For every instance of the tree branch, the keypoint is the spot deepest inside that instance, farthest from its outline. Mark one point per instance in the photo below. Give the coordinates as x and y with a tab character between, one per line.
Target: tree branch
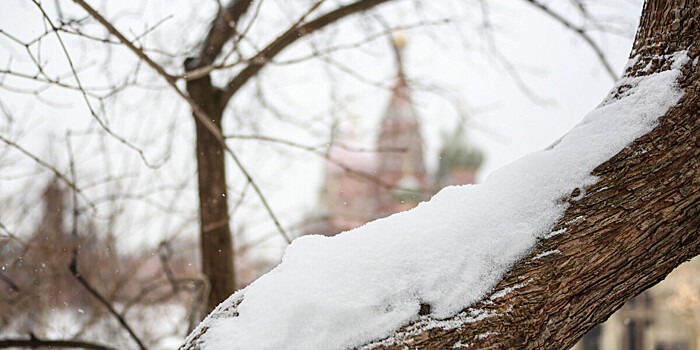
84	94
631	230
50	167
289	37
35	343
73	267
197	110
580	32
138	51
316	150
222	29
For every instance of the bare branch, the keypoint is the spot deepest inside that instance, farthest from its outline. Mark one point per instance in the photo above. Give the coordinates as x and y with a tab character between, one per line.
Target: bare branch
362	42
197	110
203	65
289	37
580	32
73	267
344	167
318	147
84	93
138	51
50	167
35	343
502	59
222	29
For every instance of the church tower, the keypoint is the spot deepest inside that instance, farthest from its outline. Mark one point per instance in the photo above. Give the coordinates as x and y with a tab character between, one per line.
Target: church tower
401	168
400	180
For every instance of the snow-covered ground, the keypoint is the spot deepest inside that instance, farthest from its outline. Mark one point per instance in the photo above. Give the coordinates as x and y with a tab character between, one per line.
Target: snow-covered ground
343	291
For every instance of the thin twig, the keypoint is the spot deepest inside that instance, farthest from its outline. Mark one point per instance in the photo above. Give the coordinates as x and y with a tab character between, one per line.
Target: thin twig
289	37
580	32
344	167
502	59
164	254
73	266
293	144
84	94
48	166
197	110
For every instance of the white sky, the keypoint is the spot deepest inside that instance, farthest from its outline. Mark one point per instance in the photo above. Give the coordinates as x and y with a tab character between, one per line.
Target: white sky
506	124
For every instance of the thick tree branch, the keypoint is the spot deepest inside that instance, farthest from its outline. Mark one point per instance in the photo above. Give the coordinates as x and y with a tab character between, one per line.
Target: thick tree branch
223	28
289	37
632	228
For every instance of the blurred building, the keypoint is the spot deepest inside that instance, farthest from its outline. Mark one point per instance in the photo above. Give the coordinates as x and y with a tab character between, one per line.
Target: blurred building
36	280
38	291
362	186
665	317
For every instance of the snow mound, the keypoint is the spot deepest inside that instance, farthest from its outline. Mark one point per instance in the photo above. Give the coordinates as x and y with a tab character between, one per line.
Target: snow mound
340	292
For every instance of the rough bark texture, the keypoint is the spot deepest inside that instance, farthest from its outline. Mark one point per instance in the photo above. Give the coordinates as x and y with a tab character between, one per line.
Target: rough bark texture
632	228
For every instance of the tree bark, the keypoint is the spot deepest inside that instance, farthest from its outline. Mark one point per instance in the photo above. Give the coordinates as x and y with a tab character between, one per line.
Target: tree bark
216	242
640	221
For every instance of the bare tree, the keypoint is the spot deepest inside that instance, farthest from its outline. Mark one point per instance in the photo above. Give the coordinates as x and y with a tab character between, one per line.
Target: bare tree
209	102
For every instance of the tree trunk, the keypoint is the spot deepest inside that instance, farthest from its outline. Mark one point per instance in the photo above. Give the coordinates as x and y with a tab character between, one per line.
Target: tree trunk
215	235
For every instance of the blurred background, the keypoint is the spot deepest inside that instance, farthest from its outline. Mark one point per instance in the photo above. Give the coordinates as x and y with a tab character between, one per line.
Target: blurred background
99	201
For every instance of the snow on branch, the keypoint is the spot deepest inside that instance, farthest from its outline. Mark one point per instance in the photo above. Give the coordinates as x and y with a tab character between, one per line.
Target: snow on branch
441	257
